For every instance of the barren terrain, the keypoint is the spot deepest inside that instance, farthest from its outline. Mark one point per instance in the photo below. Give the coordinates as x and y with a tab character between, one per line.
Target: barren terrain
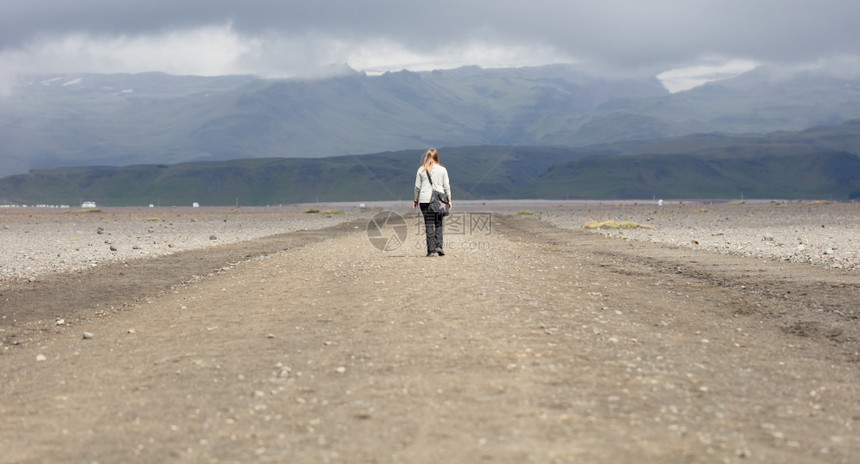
527	342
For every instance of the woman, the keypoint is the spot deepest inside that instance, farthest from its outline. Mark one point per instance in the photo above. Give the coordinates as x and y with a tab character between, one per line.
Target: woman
432	175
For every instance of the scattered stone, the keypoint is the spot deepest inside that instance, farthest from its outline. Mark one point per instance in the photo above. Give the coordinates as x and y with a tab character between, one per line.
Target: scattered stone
212	237
88	335
113	248
41	357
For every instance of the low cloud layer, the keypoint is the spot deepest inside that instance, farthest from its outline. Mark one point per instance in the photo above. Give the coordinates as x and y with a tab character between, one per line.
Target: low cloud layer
678	37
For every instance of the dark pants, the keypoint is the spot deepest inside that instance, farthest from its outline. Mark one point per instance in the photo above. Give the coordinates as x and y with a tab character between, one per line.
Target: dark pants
433	227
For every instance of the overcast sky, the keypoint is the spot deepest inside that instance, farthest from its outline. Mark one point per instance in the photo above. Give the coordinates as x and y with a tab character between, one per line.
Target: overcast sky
683	41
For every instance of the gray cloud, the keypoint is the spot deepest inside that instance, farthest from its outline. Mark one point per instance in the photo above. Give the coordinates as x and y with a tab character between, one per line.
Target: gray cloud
620	35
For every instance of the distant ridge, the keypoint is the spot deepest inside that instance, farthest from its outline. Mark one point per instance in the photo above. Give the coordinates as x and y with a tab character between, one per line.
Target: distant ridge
81	120
119	120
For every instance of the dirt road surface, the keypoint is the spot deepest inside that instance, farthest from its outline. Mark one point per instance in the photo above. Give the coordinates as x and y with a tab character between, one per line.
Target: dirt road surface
526	344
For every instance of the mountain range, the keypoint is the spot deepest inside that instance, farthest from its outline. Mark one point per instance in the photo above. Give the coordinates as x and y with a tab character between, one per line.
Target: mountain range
108	121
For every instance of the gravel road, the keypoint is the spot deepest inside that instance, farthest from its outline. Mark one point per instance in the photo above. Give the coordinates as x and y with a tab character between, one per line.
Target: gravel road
543	344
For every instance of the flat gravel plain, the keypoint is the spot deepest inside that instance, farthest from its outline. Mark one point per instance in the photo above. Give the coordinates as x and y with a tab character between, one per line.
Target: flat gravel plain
36	241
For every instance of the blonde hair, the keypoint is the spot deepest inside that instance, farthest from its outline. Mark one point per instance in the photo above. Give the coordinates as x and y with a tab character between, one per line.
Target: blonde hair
430	158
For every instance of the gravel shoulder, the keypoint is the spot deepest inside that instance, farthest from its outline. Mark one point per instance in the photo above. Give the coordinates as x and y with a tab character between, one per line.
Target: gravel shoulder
528	342
819	233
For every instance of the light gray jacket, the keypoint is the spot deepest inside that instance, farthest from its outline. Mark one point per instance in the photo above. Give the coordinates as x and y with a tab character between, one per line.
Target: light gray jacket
440	182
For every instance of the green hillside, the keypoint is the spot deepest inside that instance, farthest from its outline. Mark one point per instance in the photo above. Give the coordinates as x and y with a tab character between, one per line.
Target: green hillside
820	162
477	172
793	176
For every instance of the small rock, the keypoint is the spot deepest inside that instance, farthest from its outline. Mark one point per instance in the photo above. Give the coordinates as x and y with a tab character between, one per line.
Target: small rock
212	237
87	335
340	370
61	322
112	248
41	357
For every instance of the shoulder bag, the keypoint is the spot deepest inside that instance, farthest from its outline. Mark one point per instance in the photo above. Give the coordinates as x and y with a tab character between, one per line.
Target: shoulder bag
439	202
